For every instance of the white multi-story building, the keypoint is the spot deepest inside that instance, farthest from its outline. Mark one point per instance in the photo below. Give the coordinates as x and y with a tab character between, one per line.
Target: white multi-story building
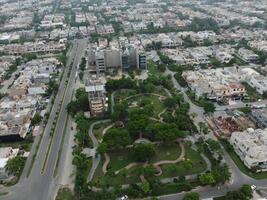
251	147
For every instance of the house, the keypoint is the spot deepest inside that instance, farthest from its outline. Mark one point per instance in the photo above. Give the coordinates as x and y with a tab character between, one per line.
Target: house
251	147
247	55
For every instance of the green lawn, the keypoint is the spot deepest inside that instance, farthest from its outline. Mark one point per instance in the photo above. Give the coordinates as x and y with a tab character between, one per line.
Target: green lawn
239	163
65	194
198	165
120	159
157	104
101	179
166	152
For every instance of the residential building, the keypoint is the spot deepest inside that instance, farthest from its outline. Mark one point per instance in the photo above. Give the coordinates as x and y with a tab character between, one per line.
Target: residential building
251	147
259	116
97	98
247	55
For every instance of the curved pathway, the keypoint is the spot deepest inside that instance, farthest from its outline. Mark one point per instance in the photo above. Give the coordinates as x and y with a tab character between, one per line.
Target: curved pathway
131	165
106	129
164	162
96	157
105	165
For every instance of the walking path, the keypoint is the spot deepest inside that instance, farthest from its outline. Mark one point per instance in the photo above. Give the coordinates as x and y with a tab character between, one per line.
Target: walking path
105	165
164	162
96	157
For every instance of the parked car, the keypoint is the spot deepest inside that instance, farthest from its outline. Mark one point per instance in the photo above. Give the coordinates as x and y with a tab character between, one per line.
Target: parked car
125	197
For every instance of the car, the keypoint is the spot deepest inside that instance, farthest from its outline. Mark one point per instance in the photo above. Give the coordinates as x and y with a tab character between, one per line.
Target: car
71	128
125	197
258	106
253	187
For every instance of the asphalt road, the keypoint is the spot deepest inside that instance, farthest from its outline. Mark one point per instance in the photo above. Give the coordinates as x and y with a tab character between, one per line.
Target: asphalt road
40	184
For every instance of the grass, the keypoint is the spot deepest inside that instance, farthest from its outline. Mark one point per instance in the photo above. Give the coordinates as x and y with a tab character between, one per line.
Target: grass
115	180
120	159
65	194
198	165
154	100
167	152
239	163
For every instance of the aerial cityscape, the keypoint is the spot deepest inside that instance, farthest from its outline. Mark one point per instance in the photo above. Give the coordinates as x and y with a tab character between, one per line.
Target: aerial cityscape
133	99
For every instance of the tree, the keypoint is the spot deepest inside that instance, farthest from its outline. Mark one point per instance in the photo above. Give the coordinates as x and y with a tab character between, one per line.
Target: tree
52	87
120	111
137	122
102	148
207	179
170	103
208	107
191	196
143	152
145	187
36	119
173	169
82	138
80	104
221	173
149	171
15	165
124	83
116	138
246	190
214	145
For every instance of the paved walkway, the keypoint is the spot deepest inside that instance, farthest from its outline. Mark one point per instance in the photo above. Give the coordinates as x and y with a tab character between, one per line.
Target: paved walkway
96	157
164	162
105	165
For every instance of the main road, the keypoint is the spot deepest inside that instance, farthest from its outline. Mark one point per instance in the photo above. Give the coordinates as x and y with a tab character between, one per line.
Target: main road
42	182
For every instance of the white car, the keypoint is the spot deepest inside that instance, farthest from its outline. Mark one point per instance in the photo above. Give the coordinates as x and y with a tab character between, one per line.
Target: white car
125	197
253	187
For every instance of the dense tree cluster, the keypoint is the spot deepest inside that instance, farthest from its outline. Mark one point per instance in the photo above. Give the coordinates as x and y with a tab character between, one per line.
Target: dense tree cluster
116	138
144	152
124	83
80	104
52	87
